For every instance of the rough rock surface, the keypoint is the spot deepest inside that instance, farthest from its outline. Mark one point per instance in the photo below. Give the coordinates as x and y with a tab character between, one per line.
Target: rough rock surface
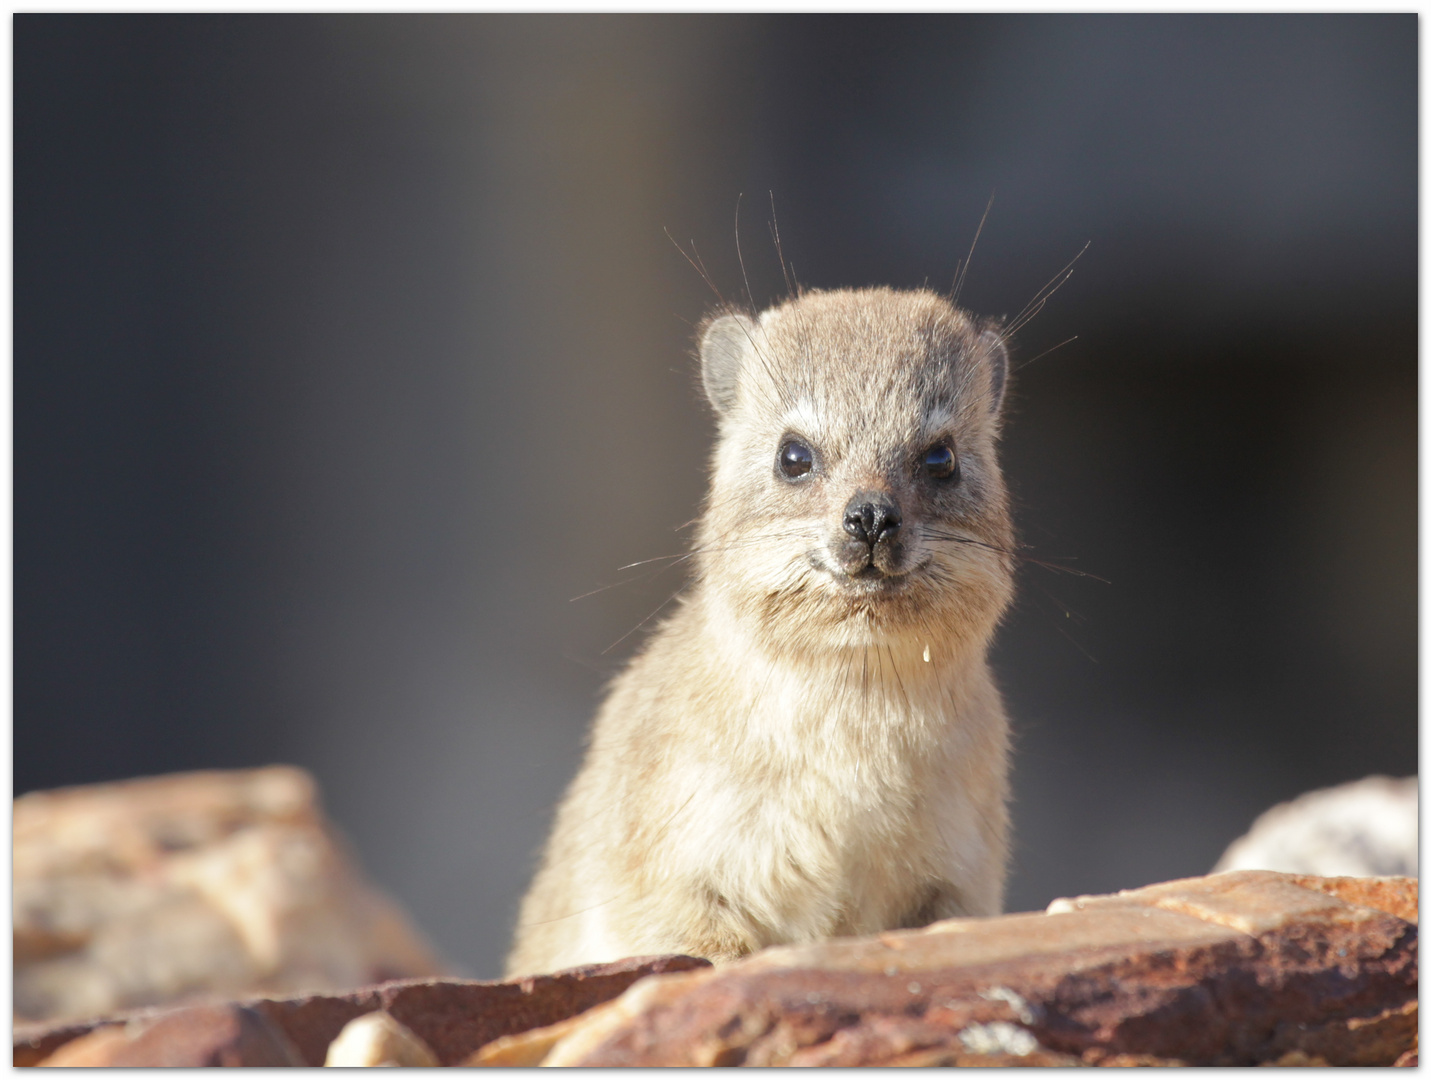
190	887
1367	827
199	887
454	1017
1238	968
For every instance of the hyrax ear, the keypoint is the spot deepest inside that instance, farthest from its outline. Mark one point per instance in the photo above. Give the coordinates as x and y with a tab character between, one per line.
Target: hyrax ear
995	355
724	340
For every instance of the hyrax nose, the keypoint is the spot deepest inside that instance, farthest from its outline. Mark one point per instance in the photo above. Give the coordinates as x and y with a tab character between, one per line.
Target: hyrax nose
871	517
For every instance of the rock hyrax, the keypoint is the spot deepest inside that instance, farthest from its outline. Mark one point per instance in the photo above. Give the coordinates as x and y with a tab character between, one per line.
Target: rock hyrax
812	744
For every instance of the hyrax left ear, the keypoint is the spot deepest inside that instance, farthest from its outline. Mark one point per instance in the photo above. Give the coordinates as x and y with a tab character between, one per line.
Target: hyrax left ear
995	355
724	340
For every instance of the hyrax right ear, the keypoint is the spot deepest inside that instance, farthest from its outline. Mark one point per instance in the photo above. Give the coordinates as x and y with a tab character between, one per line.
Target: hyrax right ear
724	340
996	356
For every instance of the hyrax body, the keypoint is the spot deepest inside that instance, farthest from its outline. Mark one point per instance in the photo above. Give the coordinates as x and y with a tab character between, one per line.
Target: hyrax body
812	744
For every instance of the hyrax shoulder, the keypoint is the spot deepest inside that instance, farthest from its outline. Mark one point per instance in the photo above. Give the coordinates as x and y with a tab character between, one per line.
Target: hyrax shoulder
812	744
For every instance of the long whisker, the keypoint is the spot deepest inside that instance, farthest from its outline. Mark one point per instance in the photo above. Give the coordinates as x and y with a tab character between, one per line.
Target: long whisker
779	251
1068	612
569	914
730	546
677	559
698	264
962	270
1058	624
617	584
698	267
644	621
1019	555
1055	348
1034	306
702	264
740	258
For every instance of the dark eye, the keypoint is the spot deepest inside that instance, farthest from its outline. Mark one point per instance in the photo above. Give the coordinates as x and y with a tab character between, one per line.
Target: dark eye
796	459
940	462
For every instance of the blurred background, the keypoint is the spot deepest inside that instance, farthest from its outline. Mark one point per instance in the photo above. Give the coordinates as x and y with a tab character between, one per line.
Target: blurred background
348	350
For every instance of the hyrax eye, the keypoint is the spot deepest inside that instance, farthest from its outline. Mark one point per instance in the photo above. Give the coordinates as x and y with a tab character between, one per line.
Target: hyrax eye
940	462
795	460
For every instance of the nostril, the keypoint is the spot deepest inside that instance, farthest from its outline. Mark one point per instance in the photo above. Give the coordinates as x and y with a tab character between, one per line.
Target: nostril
859	521
886	523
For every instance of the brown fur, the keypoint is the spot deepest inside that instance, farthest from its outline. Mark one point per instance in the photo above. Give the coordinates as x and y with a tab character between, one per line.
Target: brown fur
781	762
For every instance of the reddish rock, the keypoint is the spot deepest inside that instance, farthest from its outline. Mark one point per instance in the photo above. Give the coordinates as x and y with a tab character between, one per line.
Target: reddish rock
456	1017
33	1043
452	1016
1238	968
95	1050
195	1037
1398	895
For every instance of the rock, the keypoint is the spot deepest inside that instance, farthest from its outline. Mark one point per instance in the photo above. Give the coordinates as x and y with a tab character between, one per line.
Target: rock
1362	829
95	1050
185	1038
1237	968
456	1017
33	1043
1398	895
192	886
453	1017
376	1039
587	1032
531	1047
1246	967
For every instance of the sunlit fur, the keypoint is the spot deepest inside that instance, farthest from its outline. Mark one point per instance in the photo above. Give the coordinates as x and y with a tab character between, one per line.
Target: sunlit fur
781	763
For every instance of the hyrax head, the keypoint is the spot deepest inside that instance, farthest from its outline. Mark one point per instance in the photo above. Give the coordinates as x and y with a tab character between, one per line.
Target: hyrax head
856	497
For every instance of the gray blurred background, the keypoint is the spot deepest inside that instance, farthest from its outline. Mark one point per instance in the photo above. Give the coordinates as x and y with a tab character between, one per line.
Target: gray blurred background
348	350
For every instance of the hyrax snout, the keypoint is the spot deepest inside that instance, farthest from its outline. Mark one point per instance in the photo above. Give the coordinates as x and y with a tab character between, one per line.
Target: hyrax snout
872	545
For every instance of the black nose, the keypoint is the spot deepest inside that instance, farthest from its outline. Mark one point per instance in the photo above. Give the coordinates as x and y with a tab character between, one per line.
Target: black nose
871	517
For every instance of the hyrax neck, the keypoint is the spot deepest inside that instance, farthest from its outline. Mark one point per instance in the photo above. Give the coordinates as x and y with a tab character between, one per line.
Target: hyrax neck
893	690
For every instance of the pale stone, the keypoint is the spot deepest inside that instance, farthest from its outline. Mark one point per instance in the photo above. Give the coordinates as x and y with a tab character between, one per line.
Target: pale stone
961	942
377	1039
193	886
1362	829
998	1037
1248	901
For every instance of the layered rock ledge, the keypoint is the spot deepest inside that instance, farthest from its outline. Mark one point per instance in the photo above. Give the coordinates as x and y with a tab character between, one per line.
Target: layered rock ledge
1248	967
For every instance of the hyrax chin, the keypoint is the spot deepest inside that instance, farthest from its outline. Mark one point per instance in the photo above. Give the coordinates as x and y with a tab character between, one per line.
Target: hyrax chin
812	744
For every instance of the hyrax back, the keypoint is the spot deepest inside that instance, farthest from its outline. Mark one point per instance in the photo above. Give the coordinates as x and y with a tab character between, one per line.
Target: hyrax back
812	744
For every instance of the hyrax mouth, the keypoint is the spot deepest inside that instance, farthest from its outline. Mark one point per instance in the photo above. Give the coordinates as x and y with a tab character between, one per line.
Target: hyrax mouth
866	577
871	583
863	576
